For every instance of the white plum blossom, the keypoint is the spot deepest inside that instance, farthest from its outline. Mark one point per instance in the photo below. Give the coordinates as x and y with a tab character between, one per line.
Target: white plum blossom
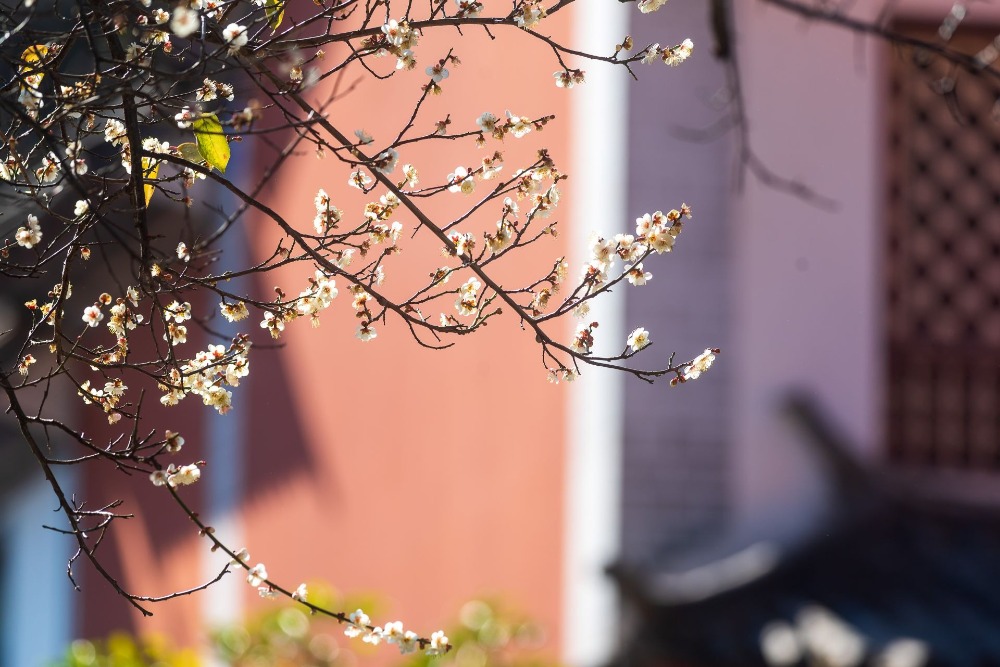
234	312
583	341
30	235
464	244
180	312
627	248
678	54
242	557
114	131
438	645
529	14
467	303
568	78
366	332
81	208
393	32
173	442
359	179
176	334
183	252
77	164
487	122
301	593
92	315
399	34
638	339
235	36
638	276
345	258
393	632
184	117
274	324
358	625
437	72
647	6
469	8
491	166
184	475
406	60
385	162
699	365
410	173
602	251
461	181
408	642
327	215
660	240
519	126
211	90
49	171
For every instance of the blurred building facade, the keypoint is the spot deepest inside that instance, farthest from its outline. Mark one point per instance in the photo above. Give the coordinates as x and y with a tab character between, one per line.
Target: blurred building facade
436	477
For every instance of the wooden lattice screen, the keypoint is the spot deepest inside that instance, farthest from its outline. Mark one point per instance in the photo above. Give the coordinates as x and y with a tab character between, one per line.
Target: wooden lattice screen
943	266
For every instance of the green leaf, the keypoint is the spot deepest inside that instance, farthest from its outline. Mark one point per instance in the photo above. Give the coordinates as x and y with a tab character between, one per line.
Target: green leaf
275	12
211	139
190	152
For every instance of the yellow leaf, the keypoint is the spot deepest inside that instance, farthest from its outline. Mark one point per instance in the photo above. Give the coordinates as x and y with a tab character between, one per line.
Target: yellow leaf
34	53
31	75
150	168
211	140
275	12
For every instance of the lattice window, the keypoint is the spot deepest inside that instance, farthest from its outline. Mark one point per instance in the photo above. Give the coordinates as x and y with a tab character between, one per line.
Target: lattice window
943	265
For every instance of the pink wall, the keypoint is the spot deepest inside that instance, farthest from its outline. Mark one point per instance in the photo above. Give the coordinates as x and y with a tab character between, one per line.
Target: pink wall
428	477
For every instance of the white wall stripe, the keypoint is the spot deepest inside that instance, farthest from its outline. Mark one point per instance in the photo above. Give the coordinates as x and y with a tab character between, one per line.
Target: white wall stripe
226	444
594	450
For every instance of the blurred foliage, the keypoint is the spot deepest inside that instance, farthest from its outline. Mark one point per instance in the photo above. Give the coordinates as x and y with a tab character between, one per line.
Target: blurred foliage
486	635
121	650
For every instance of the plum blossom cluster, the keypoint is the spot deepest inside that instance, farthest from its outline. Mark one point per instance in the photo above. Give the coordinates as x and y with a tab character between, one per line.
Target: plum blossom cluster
567	78
208	375
359	626
698	365
649	6
529	13
671	55
311	302
397	38
320	294
514	125
129	162
108	396
174	476
654	233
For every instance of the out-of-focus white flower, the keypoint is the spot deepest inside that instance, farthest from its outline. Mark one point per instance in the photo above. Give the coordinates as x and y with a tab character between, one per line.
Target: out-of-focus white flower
185	21
236	36
257	575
